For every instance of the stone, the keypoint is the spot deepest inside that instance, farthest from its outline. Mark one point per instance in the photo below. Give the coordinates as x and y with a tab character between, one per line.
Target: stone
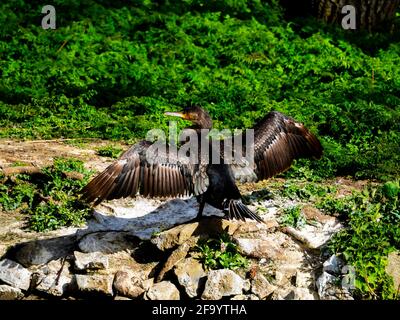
39	252
312	213
142	217
258	248
107	242
176	256
393	268
14	274
207	227
10	293
54	278
95	284
304	280
121	298
191	276
90	261
128	284
261	287
333	265
245	297
222	283
174	237
164	290
304	294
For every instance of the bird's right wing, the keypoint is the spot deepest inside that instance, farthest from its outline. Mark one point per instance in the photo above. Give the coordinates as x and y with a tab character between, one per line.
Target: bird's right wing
278	141
148	171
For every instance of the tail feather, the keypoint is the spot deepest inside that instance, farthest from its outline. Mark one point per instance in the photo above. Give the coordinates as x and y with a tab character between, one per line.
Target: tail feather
235	209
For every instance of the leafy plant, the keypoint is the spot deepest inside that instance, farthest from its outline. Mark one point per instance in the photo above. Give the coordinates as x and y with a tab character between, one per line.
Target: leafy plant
50	199
220	253
373	231
109	151
293	217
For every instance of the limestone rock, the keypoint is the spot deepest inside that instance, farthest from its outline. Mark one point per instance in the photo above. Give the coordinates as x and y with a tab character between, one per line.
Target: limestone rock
258	248
222	283
191	276
129	284
90	261
176	256
14	274
107	242
333	265
304	294
54	278
10	293
95	284
164	290
42	251
174	237
261	287
245	297
393	268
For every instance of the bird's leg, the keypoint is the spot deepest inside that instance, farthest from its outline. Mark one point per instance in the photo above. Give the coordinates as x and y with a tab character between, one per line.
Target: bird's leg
201	208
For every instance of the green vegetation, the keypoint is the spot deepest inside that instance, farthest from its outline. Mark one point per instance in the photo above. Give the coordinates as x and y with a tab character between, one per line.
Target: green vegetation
111	70
293	217
49	199
109	151
373	218
220	253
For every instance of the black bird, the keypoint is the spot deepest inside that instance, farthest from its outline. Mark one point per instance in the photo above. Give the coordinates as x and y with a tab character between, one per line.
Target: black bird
154	172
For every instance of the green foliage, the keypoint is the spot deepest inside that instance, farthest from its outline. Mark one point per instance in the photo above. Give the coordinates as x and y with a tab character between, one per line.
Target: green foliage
109	151
305	191
373	231
111	70
293	217
220	253
49	199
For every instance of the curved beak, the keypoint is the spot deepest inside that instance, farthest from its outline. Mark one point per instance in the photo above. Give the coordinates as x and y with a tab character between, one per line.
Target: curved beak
176	114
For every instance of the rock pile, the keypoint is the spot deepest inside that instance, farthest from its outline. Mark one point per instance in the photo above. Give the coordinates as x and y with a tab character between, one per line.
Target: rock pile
129	262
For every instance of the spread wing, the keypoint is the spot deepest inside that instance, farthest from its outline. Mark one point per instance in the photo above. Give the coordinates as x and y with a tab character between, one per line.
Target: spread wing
147	170
278	141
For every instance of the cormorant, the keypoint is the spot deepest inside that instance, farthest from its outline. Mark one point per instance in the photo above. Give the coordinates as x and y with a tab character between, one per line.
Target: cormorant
157	172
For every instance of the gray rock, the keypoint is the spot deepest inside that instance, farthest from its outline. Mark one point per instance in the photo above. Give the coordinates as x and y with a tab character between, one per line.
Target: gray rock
258	248
95	284
107	242
90	261
54	278
164	290
393	268
42	251
191	276
261	287
333	265
178	235
222	283
14	274
128	284
10	293
177	255
245	297
304	294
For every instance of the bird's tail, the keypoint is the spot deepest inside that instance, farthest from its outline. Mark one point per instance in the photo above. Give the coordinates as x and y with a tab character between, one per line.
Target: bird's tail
235	209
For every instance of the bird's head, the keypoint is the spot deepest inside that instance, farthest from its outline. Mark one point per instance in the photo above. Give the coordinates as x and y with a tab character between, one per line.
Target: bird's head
197	115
